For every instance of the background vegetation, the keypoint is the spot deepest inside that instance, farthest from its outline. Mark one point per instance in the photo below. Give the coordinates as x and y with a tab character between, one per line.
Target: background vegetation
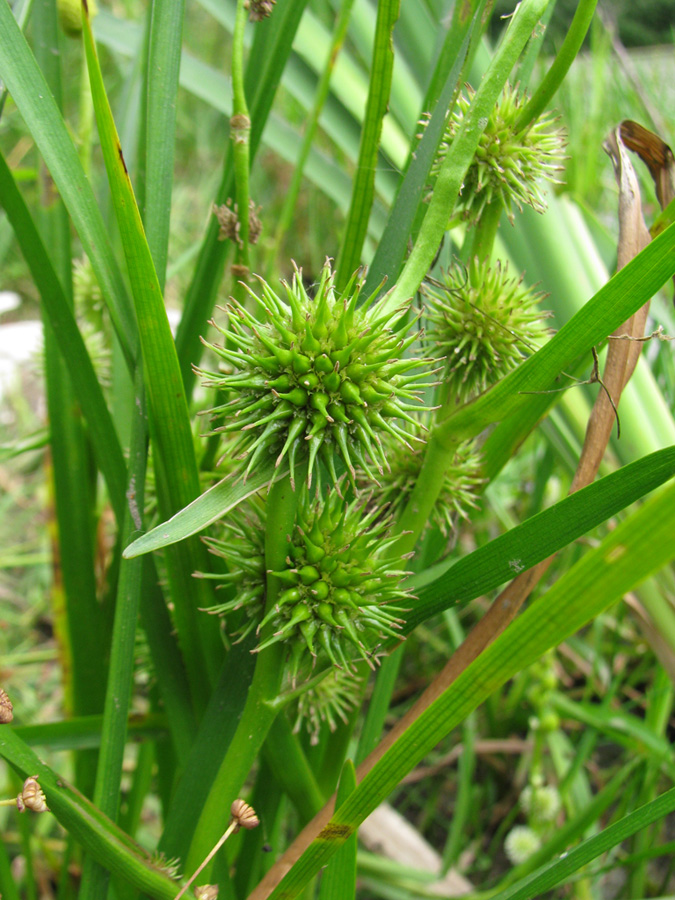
521	774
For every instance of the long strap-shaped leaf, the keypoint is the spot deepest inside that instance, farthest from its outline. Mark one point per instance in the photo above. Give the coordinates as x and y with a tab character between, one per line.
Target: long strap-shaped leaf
173	451
211	506
164	55
32	96
635	549
533	540
85	384
363	189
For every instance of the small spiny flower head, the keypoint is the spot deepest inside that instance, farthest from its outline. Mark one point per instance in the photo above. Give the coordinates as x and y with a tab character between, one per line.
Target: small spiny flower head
483	323
230	227
541	803
316	378
509	165
340	589
206	892
521	843
458	494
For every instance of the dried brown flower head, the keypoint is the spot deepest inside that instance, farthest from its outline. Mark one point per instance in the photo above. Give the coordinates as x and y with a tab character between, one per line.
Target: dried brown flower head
32	796
260	9
6	708
244	815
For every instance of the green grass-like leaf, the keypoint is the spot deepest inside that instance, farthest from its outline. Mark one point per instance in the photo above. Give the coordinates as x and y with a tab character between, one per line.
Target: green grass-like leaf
538	537
211	506
173	450
363	189
34	99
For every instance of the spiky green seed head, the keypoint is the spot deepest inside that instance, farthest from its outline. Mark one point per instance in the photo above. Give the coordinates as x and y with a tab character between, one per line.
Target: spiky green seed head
327	702
521	843
509	166
458	494
340	593
343	594
317	378
484	324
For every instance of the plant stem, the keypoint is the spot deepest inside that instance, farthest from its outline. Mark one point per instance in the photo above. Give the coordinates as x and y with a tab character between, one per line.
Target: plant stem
240	130
259	712
485	232
566	56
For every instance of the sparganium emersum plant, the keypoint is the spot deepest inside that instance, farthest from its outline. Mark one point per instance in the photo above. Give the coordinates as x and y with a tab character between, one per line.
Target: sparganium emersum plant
333	425
317	378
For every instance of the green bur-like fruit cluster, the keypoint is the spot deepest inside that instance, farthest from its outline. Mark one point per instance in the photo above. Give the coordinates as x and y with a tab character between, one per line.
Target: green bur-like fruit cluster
484	322
316	378
339	591
342	589
510	162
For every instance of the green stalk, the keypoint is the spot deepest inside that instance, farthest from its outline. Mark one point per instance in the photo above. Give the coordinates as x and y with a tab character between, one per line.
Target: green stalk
363	190
240	131
458	158
288	764
485	232
287	210
121	671
564	59
259	712
659	707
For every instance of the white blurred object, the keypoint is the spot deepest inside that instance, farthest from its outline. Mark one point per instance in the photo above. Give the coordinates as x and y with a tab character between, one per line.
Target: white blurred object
19	342
388	833
9	300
